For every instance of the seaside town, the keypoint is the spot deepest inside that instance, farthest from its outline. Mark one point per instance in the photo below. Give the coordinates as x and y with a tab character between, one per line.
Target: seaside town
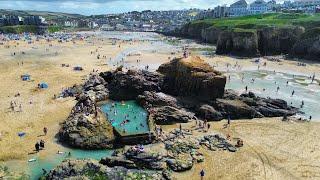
161	21
221	92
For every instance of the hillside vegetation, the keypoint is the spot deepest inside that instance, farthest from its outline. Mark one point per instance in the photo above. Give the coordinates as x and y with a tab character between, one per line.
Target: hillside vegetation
263	20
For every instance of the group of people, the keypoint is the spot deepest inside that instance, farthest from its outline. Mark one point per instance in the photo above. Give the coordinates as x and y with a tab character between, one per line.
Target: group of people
14	105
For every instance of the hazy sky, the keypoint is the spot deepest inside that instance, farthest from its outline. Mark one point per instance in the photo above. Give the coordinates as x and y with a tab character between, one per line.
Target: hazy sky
89	7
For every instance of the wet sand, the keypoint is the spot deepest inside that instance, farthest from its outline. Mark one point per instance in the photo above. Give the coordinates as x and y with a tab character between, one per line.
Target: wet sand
273	149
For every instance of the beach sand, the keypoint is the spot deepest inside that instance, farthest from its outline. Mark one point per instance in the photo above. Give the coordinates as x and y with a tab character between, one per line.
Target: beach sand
273	149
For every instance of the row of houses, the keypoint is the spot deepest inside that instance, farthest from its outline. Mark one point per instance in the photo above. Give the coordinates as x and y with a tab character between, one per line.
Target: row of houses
242	8
17	20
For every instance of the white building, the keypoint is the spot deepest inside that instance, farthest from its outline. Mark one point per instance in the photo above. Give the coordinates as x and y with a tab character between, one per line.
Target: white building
258	7
239	8
306	3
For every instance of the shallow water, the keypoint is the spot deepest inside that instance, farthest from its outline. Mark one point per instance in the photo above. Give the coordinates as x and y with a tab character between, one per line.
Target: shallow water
136	116
270	81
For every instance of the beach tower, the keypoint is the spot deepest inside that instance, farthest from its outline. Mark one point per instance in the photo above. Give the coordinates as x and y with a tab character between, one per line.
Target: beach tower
77	68
25	77
43	85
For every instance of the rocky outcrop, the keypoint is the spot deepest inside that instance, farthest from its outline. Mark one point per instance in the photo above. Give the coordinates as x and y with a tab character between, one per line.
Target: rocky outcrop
127	86
209	113
248	106
170	115
90	169
211	34
192	77
239	43
253	42
86	127
278	40
308	47
155	99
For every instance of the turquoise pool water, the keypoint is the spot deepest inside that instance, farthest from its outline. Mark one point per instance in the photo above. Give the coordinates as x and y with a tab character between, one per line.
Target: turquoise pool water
128	118
266	84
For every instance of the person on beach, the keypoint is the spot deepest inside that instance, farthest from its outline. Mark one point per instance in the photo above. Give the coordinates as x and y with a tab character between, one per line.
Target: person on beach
45	130
302	104
229	120
246	88
292	93
202	173
37	146
278	88
310	117
41	144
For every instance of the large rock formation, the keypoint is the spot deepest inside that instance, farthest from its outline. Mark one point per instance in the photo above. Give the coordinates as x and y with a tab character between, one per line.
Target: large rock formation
278	40
308	47
127	86
192	77
87	127
239	43
254	42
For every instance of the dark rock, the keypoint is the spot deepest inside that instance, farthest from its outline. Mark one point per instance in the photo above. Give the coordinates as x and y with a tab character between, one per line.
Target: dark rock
171	115
156	99
90	169
127	86
236	109
181	163
209	113
118	161
192	77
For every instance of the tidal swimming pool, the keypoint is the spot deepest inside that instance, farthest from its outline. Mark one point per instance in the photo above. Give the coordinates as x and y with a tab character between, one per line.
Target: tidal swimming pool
128	117
266	83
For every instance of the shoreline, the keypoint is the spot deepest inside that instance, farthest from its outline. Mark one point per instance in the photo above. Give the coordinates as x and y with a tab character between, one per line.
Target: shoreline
49	108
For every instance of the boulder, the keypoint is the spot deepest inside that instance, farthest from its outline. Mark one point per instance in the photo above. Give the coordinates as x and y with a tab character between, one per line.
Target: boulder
87	132
170	115
127	86
236	109
181	163
209	113
118	161
192	77
156	99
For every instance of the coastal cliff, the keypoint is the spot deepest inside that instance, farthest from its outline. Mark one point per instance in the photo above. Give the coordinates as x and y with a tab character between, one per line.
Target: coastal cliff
253	36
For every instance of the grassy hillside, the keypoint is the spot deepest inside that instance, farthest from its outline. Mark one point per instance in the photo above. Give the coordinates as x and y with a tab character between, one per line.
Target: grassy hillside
264	20
45	14
19	29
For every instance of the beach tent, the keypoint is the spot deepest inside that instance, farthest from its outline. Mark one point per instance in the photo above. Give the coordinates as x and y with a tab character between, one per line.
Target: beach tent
77	68
25	77
43	85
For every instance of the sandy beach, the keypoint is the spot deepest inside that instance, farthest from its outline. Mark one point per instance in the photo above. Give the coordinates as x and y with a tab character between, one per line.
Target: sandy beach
273	149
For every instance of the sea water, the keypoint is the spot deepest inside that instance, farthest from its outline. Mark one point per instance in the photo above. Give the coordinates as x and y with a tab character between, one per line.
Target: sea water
266	83
52	160
127	117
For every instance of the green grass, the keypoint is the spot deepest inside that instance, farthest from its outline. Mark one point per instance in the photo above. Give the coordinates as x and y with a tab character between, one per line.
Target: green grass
263	20
19	29
53	29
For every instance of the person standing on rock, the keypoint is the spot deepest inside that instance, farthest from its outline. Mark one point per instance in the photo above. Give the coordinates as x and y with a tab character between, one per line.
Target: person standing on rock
246	88
202	173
